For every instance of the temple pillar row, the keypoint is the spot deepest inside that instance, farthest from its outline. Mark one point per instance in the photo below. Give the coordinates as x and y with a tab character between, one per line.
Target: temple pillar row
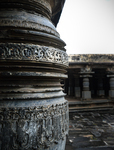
81	86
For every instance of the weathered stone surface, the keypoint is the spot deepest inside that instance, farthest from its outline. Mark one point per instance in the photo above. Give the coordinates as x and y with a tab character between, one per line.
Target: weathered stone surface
33	111
91	131
95	58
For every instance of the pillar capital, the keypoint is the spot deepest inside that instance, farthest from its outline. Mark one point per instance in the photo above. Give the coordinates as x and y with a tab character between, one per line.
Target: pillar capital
86	70
110	70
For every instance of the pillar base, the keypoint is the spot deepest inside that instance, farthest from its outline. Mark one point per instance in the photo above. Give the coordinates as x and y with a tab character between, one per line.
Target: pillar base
86	94
111	93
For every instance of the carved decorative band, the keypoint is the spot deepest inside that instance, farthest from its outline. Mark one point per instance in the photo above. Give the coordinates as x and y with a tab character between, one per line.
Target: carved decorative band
33	53
95	58
33	128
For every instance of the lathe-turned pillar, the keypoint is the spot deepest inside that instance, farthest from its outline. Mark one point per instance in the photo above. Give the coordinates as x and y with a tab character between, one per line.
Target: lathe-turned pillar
33	111
110	72
111	91
86	74
111	83
86	93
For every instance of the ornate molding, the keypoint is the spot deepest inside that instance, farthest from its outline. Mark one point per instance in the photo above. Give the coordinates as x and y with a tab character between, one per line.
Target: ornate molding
110	70
33	127
86	69
95	58
28	24
37	3
33	53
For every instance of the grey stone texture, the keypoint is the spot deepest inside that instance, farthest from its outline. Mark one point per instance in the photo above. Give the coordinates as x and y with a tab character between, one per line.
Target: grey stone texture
91	131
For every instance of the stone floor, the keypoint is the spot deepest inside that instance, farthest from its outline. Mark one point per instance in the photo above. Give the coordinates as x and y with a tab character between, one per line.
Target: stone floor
91	131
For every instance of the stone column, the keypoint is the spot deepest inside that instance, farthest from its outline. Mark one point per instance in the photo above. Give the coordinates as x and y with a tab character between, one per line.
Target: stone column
33	111
111	82
100	91
77	88
111	91
86	93
110	72
86	74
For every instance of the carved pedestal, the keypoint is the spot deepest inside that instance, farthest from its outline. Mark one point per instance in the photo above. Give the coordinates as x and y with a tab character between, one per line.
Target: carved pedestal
33	111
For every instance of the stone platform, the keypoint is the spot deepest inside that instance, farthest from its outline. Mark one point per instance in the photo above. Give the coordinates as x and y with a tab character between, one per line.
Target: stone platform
79	105
91	131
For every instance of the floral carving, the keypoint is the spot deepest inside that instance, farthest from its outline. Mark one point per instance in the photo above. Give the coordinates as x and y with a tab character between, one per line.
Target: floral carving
33	52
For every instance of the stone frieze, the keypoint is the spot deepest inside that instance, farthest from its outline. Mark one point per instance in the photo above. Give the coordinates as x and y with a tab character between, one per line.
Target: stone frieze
33	53
102	58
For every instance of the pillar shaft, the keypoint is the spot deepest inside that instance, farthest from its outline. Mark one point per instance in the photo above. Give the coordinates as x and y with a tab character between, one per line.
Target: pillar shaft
111	91
86	94
33	111
85	84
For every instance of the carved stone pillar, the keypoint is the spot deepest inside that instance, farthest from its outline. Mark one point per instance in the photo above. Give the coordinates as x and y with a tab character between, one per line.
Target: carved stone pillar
111	91
111	82
33	111
100	87
85	74
86	93
110	72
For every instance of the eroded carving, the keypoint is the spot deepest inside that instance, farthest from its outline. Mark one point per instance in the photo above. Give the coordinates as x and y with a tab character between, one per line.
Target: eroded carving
91	58
86	69
33	128
110	70
33	52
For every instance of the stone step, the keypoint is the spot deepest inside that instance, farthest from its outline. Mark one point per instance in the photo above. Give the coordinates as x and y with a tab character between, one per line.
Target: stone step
93	148
98	101
89	105
81	109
